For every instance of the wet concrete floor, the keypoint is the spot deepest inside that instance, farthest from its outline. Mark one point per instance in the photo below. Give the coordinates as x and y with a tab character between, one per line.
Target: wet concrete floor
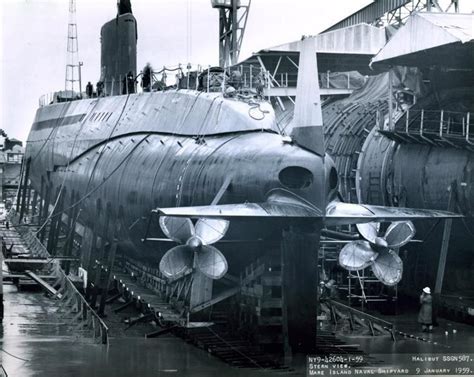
417	350
38	341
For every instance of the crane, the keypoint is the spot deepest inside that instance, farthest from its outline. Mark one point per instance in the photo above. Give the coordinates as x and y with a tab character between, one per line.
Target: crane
233	16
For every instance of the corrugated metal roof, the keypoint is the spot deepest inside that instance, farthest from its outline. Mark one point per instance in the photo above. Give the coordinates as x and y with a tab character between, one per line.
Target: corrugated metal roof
359	39
369	13
431	38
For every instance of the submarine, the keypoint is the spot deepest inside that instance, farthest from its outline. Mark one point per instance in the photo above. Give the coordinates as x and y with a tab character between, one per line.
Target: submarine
193	183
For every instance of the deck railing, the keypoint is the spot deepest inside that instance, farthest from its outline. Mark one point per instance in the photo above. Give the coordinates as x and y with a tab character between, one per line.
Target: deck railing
439	123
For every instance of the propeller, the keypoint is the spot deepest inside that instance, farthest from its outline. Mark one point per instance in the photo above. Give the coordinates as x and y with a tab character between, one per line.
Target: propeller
377	251
195	246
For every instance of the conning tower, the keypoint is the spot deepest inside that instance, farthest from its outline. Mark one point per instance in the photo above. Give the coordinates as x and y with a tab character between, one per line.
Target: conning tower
118	49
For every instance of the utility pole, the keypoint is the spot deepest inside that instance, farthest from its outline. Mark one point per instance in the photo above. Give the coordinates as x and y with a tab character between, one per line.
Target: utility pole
73	75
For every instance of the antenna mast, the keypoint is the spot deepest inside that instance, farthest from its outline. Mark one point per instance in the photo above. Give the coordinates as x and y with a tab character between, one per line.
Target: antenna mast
73	66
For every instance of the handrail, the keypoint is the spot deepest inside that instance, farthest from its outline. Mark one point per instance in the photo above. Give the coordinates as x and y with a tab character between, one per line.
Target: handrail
440	123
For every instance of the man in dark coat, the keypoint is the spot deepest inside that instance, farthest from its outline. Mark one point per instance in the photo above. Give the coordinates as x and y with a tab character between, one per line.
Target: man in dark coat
425	317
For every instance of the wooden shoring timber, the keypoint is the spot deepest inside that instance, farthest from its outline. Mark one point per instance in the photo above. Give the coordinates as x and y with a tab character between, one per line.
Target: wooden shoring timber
299	284
105	288
44	216
216	299
55	221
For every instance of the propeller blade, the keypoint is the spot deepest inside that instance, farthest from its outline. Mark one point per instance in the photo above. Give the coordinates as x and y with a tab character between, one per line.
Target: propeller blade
399	233
179	229
211	262
356	256
211	230
369	231
388	267
176	261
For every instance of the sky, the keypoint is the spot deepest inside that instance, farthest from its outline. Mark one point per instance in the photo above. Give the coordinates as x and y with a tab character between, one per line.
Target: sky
33	36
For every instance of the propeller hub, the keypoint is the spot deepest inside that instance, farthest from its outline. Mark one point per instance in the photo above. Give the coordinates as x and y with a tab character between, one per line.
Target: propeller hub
195	243
380	242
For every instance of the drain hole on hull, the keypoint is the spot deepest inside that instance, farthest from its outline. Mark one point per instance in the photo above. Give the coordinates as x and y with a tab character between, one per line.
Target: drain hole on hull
296	177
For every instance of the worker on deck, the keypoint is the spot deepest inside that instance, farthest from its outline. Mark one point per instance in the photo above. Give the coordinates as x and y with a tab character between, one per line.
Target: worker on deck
130	83
100	88
89	89
425	317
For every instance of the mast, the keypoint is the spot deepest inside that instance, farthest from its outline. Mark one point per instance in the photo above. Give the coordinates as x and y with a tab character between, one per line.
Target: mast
73	66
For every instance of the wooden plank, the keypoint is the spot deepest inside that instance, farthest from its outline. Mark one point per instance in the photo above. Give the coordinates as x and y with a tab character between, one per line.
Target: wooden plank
222	296
270	320
271	303
445	241
44	284
271	280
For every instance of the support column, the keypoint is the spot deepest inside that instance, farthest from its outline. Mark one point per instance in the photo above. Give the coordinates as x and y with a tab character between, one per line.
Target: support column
299	286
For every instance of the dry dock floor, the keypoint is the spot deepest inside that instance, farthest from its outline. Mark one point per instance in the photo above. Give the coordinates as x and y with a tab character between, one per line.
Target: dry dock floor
37	341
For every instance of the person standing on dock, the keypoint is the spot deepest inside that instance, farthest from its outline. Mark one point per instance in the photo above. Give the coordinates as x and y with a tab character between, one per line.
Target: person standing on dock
425	317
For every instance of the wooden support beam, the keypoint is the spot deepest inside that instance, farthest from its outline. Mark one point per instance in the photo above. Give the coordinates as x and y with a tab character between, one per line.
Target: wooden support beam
59	222
140	318
220	297
44	284
73	214
156	334
113	298
44	216
54	223
124	306
28	198
105	287
300	284
97	272
445	241
42	195
34	203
